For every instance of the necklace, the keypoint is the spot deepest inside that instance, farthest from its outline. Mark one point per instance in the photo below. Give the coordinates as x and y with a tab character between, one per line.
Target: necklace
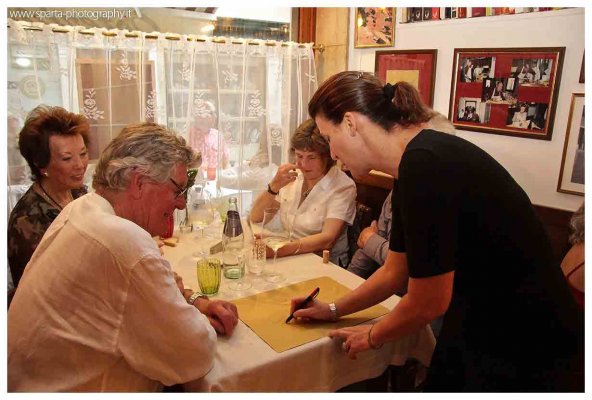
49	197
307	192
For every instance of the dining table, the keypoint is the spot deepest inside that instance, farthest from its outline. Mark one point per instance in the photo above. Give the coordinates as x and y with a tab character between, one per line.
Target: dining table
246	363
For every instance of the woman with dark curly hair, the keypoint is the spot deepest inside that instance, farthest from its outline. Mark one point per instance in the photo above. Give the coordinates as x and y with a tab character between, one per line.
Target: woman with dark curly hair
573	262
54	142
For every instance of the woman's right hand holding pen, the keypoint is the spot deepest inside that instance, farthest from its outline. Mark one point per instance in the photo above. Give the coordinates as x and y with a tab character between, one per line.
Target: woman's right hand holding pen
313	310
285	174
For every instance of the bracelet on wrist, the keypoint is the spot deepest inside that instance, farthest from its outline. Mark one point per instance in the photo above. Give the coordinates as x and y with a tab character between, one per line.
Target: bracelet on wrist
270	191
195	296
298	249
372	345
333	309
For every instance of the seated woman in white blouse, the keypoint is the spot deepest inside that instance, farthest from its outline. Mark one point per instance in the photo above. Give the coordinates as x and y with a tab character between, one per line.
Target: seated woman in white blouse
316	199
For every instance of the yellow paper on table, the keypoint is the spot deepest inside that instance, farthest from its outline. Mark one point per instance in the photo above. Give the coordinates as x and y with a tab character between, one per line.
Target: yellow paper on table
265	313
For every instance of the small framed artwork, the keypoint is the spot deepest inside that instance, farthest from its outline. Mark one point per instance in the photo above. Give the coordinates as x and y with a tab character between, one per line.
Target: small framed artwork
507	91
571	174
418	67
375	27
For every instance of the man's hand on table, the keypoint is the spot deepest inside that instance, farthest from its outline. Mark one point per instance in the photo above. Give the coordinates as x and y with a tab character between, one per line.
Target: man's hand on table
222	315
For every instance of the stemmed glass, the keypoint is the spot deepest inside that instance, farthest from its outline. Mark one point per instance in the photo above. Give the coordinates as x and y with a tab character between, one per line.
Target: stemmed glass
275	236
201	213
220	203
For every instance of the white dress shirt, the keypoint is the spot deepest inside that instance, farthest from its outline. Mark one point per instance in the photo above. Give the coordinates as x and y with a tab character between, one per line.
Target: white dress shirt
98	309
333	196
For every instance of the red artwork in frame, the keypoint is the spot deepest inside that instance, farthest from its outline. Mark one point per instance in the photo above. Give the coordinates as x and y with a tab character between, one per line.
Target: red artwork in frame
417	67
508	91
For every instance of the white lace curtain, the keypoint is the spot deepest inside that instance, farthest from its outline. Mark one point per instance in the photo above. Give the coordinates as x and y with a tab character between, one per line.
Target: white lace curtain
235	101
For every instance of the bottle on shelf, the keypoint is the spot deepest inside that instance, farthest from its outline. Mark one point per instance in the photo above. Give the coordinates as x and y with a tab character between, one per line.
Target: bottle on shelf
233	241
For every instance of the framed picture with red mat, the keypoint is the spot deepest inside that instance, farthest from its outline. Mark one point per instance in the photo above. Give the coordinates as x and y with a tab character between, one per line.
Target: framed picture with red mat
506	91
417	67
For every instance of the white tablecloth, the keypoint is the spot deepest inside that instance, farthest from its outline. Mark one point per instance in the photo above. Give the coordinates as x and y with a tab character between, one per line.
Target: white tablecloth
245	363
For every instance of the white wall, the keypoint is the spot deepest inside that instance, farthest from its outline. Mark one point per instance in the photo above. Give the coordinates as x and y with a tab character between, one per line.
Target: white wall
533	163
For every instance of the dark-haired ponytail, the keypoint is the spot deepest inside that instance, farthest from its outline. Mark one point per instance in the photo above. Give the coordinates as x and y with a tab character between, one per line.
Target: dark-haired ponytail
408	103
386	105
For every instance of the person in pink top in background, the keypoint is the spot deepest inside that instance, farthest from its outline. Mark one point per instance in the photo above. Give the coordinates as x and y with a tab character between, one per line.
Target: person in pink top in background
204	138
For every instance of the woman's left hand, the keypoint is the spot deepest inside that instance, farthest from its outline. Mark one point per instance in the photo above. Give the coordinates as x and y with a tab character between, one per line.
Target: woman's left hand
355	339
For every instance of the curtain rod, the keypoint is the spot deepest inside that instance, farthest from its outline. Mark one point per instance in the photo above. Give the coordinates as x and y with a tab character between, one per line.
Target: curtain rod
189	38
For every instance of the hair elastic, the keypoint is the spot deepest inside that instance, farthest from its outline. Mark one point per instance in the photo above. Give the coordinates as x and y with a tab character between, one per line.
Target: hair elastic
389	91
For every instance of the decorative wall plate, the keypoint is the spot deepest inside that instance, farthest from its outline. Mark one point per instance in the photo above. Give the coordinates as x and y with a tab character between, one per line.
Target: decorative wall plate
32	87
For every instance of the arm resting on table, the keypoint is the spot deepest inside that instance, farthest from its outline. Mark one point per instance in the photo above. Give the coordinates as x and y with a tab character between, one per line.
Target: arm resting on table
160	336
332	229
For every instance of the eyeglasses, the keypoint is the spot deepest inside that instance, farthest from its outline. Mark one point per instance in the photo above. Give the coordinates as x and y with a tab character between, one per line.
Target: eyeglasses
180	189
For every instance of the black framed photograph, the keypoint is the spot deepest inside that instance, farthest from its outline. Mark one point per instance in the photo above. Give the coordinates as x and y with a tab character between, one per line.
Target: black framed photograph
506	91
499	90
571	174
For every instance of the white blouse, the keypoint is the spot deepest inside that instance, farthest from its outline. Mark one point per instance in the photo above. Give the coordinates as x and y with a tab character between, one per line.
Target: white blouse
333	196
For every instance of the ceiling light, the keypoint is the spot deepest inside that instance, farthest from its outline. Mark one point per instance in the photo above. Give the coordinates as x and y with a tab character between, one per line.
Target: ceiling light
23	62
208	28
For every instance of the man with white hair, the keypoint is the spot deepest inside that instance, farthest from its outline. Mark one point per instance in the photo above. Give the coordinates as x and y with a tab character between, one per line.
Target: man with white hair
98	308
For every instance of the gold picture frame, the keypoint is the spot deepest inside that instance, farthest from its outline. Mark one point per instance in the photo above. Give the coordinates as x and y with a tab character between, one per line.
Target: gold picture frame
375	27
571	174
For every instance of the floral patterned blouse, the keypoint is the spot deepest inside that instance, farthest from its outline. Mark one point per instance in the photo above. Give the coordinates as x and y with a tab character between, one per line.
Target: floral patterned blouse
28	221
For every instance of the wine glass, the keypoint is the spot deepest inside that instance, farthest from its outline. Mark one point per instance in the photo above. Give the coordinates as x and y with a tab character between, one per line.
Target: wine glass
219	203
240	283
201	213
275	236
